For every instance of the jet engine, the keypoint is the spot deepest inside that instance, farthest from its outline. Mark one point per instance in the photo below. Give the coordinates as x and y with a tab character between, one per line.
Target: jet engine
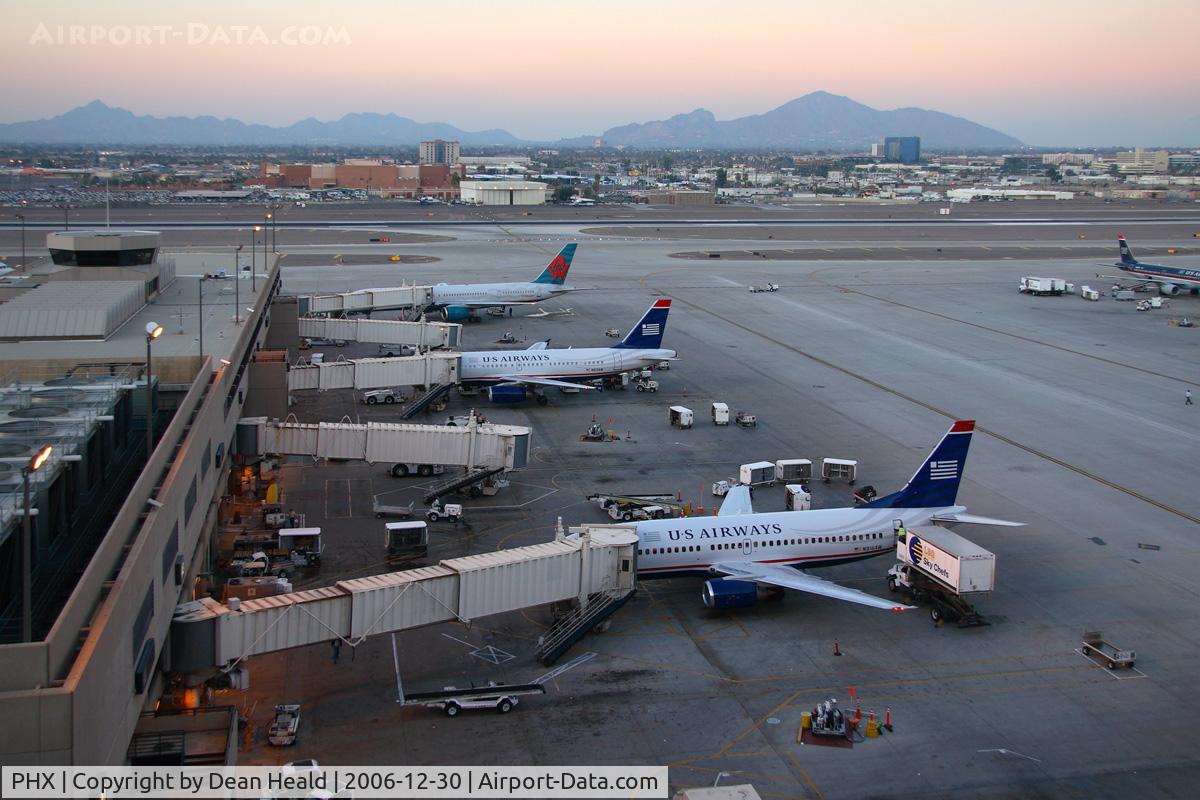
506	394
455	313
729	594
1169	289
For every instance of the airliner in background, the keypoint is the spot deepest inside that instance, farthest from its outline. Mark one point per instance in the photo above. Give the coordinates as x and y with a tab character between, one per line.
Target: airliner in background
1171	280
459	302
738	550
512	374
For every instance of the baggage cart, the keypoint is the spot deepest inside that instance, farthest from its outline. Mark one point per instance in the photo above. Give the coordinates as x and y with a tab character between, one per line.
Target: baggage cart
1095	646
839	469
793	470
382	510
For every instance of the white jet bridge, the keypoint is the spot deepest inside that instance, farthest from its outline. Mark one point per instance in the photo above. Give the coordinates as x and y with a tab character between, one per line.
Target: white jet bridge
425	369
367	300
596	569
421	335
472	446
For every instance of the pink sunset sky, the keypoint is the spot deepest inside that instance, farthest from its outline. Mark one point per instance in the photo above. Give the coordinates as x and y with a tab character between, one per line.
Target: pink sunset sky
1049	73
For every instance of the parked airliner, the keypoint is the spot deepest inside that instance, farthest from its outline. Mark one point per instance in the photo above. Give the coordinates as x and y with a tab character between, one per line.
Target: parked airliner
745	549
510	373
460	301
1171	280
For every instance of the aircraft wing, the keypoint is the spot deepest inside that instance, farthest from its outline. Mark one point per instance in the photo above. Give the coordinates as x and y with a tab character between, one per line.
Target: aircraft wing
972	519
520	379
789	578
737	501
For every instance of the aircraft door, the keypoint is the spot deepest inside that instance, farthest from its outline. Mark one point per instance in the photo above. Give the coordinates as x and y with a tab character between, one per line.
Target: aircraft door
747	547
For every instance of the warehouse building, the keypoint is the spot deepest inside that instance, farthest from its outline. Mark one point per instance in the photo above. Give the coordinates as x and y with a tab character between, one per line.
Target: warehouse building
503	193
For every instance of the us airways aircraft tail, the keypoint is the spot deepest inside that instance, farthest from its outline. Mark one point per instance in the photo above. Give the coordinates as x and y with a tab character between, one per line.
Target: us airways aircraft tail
935	483
556	271
648	333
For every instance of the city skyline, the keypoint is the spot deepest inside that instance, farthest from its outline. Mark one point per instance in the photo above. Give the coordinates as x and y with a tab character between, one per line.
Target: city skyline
1048	76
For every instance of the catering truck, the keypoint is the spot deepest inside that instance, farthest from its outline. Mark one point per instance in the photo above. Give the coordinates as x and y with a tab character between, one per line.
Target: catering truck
939	567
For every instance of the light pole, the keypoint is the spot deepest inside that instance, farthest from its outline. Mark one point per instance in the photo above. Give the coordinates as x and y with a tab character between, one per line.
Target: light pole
200	285
153	331
237	276
271	216
22	218
34	464
253	242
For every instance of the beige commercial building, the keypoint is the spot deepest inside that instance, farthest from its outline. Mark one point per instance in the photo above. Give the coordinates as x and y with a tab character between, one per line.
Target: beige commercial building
503	193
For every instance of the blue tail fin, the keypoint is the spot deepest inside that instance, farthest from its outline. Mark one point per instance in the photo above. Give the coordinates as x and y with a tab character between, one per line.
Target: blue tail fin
1126	255
556	271
648	333
935	484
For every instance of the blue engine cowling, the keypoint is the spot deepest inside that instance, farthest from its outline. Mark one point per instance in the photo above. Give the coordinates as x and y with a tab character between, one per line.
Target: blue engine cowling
455	313
730	594
506	394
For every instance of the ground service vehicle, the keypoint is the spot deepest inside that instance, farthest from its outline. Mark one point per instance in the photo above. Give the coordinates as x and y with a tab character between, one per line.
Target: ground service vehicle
497	697
757	474
720	414
645	385
681	417
1042	286
452	512
939	567
389	396
285	725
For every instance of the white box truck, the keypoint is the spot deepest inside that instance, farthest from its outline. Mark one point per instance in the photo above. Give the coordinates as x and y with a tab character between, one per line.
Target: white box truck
938	566
720	414
1042	286
756	474
793	470
681	417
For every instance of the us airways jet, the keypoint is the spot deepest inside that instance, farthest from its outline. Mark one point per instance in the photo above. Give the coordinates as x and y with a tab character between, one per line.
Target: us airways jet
738	550
1171	280
511	374
458	302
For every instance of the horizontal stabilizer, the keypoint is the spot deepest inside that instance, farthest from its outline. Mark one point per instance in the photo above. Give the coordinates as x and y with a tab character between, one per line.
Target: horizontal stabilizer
972	519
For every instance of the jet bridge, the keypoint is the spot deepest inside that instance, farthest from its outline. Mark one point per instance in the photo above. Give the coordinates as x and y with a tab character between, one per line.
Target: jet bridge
421	335
496	446
426	369
602	561
367	300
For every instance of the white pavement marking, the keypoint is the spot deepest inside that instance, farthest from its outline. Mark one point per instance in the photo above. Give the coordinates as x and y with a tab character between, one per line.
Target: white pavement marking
1006	752
726	280
559	670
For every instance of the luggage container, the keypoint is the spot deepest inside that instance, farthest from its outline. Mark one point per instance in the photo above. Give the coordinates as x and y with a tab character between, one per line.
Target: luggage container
793	470
406	538
757	474
798	498
720	414
839	469
302	543
681	417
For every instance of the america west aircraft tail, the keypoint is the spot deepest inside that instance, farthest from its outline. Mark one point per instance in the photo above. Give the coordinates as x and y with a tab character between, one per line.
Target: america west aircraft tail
556	271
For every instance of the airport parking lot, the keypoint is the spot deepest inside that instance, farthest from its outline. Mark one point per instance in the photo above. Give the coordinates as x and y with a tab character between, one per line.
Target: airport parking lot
1083	435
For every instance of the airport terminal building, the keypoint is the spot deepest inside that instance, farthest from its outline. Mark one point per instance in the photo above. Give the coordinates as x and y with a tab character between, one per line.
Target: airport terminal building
135	377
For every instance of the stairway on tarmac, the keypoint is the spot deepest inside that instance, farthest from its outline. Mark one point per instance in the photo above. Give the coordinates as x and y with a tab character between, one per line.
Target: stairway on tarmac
425	400
569	629
461	481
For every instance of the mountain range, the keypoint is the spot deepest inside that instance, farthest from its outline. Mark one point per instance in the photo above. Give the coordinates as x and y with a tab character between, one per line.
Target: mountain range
816	121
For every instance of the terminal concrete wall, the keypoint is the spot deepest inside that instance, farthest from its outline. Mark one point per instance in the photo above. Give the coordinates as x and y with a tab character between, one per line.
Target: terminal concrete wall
71	698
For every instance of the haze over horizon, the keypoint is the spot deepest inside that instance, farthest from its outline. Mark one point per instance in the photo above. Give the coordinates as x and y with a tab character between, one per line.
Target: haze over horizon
1061	74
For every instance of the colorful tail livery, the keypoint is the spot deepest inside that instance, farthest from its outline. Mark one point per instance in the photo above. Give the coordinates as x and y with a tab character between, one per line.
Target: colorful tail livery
1126	254
556	271
648	333
935	483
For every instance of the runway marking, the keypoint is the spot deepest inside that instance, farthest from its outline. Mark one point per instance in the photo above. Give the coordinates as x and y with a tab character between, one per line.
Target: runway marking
1004	751
949	414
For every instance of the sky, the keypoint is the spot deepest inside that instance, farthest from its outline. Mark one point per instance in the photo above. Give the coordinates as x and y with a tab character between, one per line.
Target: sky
1050	73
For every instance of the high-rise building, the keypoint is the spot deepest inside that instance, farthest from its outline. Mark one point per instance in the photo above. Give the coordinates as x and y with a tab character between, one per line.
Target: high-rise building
902	149
439	152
